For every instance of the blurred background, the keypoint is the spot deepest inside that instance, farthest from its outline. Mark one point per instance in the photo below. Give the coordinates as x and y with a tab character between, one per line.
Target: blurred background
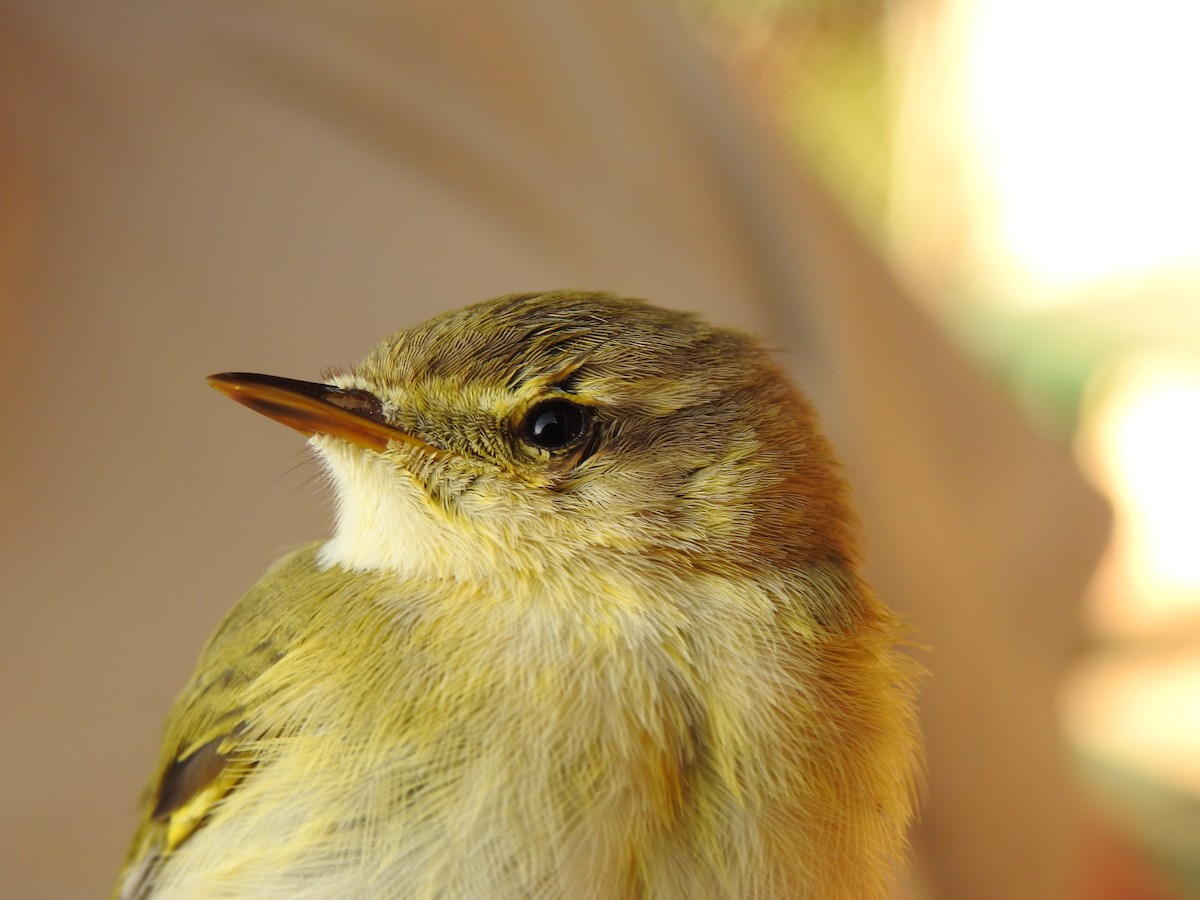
190	186
1032	168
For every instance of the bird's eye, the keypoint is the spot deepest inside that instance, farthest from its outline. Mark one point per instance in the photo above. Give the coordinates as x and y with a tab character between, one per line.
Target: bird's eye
555	424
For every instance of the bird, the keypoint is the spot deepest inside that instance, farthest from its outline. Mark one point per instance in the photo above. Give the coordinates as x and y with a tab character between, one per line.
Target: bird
591	623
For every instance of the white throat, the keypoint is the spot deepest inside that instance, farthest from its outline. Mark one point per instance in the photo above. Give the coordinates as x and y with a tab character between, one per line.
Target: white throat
387	523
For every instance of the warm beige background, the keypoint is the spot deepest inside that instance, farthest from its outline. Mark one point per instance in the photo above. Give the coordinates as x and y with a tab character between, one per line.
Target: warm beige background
189	187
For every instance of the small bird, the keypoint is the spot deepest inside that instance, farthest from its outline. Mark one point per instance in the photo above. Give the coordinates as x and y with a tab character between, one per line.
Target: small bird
590	625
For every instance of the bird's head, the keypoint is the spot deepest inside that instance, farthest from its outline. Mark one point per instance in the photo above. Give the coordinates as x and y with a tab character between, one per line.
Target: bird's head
532	430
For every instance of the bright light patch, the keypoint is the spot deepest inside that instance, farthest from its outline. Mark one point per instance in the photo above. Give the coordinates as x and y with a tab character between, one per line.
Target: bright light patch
1082	120
1144	441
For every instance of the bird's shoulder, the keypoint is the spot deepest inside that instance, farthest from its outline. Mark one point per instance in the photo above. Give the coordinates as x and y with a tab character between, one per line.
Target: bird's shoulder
217	721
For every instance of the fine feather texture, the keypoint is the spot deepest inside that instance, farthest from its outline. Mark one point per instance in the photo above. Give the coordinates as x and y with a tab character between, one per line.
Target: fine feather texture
639	666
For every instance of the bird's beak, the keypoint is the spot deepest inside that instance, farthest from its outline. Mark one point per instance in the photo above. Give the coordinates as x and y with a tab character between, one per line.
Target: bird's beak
313	408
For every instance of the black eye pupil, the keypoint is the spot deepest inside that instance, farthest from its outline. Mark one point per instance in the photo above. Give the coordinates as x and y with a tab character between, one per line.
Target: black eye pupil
554	424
